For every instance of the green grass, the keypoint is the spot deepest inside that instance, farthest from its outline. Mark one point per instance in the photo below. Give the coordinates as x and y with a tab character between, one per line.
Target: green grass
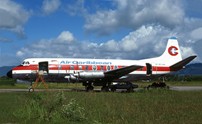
146	106
10	102
172	83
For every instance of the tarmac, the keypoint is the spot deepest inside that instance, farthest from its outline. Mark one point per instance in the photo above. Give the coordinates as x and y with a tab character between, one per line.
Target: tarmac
186	88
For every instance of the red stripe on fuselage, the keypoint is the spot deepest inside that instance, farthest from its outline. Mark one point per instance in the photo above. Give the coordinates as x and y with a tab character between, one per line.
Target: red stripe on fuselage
155	68
86	67
30	67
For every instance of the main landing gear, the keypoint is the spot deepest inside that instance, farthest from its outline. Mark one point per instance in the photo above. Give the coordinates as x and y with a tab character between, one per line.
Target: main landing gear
106	87
125	85
88	86
159	84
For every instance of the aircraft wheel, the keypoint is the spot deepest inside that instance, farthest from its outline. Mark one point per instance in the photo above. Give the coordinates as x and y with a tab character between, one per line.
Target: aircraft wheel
113	89
89	88
31	90
105	89
130	89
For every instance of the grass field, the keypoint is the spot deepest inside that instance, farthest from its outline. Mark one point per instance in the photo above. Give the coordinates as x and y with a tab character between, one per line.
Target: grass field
146	106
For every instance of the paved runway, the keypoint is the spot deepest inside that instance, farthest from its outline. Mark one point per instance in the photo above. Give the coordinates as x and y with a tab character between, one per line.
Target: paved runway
37	90
186	88
176	88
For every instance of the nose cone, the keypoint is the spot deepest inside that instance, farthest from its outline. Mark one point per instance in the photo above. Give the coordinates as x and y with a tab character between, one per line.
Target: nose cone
9	74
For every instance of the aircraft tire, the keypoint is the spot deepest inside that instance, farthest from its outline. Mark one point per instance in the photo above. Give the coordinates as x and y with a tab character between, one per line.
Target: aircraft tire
89	88
31	90
113	89
130	89
105	89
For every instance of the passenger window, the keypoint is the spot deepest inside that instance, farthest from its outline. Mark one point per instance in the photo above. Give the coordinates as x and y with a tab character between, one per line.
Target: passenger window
108	67
94	67
60	67
115	67
102	67
80	67
71	67
86	68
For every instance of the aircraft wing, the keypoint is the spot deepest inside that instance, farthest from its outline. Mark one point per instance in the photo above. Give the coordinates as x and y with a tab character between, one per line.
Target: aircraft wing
121	71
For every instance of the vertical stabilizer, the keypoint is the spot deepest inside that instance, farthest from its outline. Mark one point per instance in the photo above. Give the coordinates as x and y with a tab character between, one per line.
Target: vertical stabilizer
172	54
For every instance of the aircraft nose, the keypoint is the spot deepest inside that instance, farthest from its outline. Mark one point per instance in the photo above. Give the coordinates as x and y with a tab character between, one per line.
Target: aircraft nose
9	74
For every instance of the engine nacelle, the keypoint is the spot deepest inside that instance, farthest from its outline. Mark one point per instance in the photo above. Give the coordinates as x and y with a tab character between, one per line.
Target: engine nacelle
89	75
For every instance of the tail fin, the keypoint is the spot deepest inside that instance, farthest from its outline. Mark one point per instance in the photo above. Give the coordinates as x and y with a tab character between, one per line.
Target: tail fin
172	54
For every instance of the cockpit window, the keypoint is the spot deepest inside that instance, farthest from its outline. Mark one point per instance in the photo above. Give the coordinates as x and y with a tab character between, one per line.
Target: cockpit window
24	63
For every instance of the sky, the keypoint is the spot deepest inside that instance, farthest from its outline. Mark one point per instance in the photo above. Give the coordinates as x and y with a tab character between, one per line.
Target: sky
108	29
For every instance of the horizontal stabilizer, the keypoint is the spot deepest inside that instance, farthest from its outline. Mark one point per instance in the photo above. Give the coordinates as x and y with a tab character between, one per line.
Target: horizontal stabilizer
182	63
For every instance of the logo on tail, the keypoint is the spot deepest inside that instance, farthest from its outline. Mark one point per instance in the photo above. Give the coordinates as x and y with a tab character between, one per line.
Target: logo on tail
172	50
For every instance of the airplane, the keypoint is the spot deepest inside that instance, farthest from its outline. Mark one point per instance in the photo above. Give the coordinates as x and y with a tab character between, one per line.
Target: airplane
102	72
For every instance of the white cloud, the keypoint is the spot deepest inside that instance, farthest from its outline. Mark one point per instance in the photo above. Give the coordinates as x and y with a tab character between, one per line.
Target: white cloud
50	6
146	41
186	51
20	53
135	13
50	47
153	22
197	47
65	36
111	46
103	22
196	34
131	41
137	44
13	16
76	8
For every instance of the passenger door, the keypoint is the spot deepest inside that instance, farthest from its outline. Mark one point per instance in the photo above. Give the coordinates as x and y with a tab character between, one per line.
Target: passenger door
149	69
43	67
